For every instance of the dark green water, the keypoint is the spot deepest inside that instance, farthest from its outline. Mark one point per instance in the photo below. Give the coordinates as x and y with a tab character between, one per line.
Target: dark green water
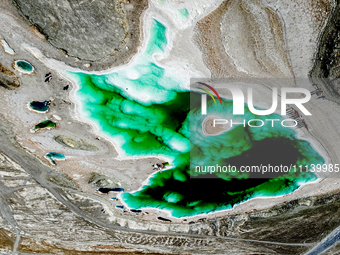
146	111
39	106
175	190
24	65
44	124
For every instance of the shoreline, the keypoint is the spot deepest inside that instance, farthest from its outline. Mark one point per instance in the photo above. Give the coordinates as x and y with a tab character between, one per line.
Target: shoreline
218	213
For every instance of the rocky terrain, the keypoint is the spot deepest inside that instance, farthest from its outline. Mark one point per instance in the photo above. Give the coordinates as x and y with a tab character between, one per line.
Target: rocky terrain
251	39
81	29
8	79
326	70
93	35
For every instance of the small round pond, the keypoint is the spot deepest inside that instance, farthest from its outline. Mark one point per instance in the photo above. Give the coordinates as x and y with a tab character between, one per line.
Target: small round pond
23	66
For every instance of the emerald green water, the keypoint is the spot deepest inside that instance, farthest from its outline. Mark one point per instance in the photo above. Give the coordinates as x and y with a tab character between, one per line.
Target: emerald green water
24	65
146	111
